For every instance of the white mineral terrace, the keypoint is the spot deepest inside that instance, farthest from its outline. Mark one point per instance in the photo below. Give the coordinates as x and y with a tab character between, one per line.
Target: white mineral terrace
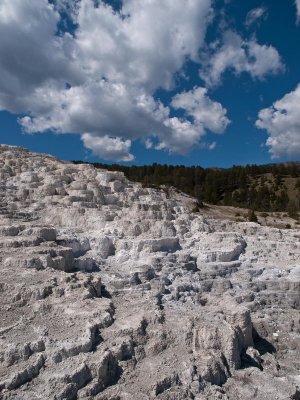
111	291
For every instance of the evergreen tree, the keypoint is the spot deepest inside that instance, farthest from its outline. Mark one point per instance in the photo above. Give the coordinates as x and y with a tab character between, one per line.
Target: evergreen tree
252	216
247	187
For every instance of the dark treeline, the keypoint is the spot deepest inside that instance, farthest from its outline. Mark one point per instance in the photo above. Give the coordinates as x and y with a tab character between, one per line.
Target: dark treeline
273	187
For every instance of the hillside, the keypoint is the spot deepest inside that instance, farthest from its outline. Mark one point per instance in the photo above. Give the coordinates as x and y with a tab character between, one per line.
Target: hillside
267	188
113	291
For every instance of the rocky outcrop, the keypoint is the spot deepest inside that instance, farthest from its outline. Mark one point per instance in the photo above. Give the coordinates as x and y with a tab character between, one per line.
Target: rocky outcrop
109	290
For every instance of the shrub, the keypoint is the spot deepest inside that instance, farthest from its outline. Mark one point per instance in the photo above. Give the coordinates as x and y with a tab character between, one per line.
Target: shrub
197	206
252	216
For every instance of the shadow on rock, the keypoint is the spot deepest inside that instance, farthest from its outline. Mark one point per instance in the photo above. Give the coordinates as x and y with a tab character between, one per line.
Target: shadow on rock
261	344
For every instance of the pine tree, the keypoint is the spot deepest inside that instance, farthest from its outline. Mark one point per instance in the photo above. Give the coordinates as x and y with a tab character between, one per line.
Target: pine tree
252	216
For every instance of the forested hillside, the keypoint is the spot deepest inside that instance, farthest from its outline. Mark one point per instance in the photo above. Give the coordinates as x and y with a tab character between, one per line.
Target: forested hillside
273	187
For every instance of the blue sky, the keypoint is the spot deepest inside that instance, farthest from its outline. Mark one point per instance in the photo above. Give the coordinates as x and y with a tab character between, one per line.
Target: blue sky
201	82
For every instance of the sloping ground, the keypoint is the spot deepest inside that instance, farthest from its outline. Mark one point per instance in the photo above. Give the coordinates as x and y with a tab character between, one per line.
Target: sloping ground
279	220
112	291
268	189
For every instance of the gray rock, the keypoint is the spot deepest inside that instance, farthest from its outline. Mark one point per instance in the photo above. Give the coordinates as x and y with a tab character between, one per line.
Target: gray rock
109	290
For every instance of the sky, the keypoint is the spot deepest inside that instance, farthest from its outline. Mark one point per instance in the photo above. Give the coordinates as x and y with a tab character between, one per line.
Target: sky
192	82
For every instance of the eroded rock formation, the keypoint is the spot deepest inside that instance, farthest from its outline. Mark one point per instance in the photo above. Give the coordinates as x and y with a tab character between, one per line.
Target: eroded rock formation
111	291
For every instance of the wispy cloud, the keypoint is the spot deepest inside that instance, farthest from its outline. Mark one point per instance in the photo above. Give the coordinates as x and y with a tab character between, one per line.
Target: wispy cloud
298	10
255	15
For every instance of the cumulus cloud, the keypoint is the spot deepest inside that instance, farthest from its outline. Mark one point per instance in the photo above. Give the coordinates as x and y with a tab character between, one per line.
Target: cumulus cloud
82	66
108	148
202	114
282	122
100	77
30	52
206	113
145	44
255	15
239	55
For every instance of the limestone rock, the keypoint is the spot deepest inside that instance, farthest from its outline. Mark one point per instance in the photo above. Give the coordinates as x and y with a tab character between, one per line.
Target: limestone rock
109	290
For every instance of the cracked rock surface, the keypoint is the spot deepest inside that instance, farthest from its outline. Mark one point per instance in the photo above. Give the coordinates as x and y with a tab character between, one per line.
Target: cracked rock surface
112	291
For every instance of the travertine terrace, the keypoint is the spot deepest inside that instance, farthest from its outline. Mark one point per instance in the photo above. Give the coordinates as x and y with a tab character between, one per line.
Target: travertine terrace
113	291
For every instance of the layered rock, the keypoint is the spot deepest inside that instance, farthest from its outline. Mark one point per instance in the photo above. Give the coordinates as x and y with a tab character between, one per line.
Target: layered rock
109	290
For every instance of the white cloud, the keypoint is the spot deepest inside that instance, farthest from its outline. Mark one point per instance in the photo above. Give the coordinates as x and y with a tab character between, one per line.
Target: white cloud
184	136
206	113
108	148
298	9
125	112
282	122
30	52
102	79
255	15
148	144
100	108
146	44
239	56
202	114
